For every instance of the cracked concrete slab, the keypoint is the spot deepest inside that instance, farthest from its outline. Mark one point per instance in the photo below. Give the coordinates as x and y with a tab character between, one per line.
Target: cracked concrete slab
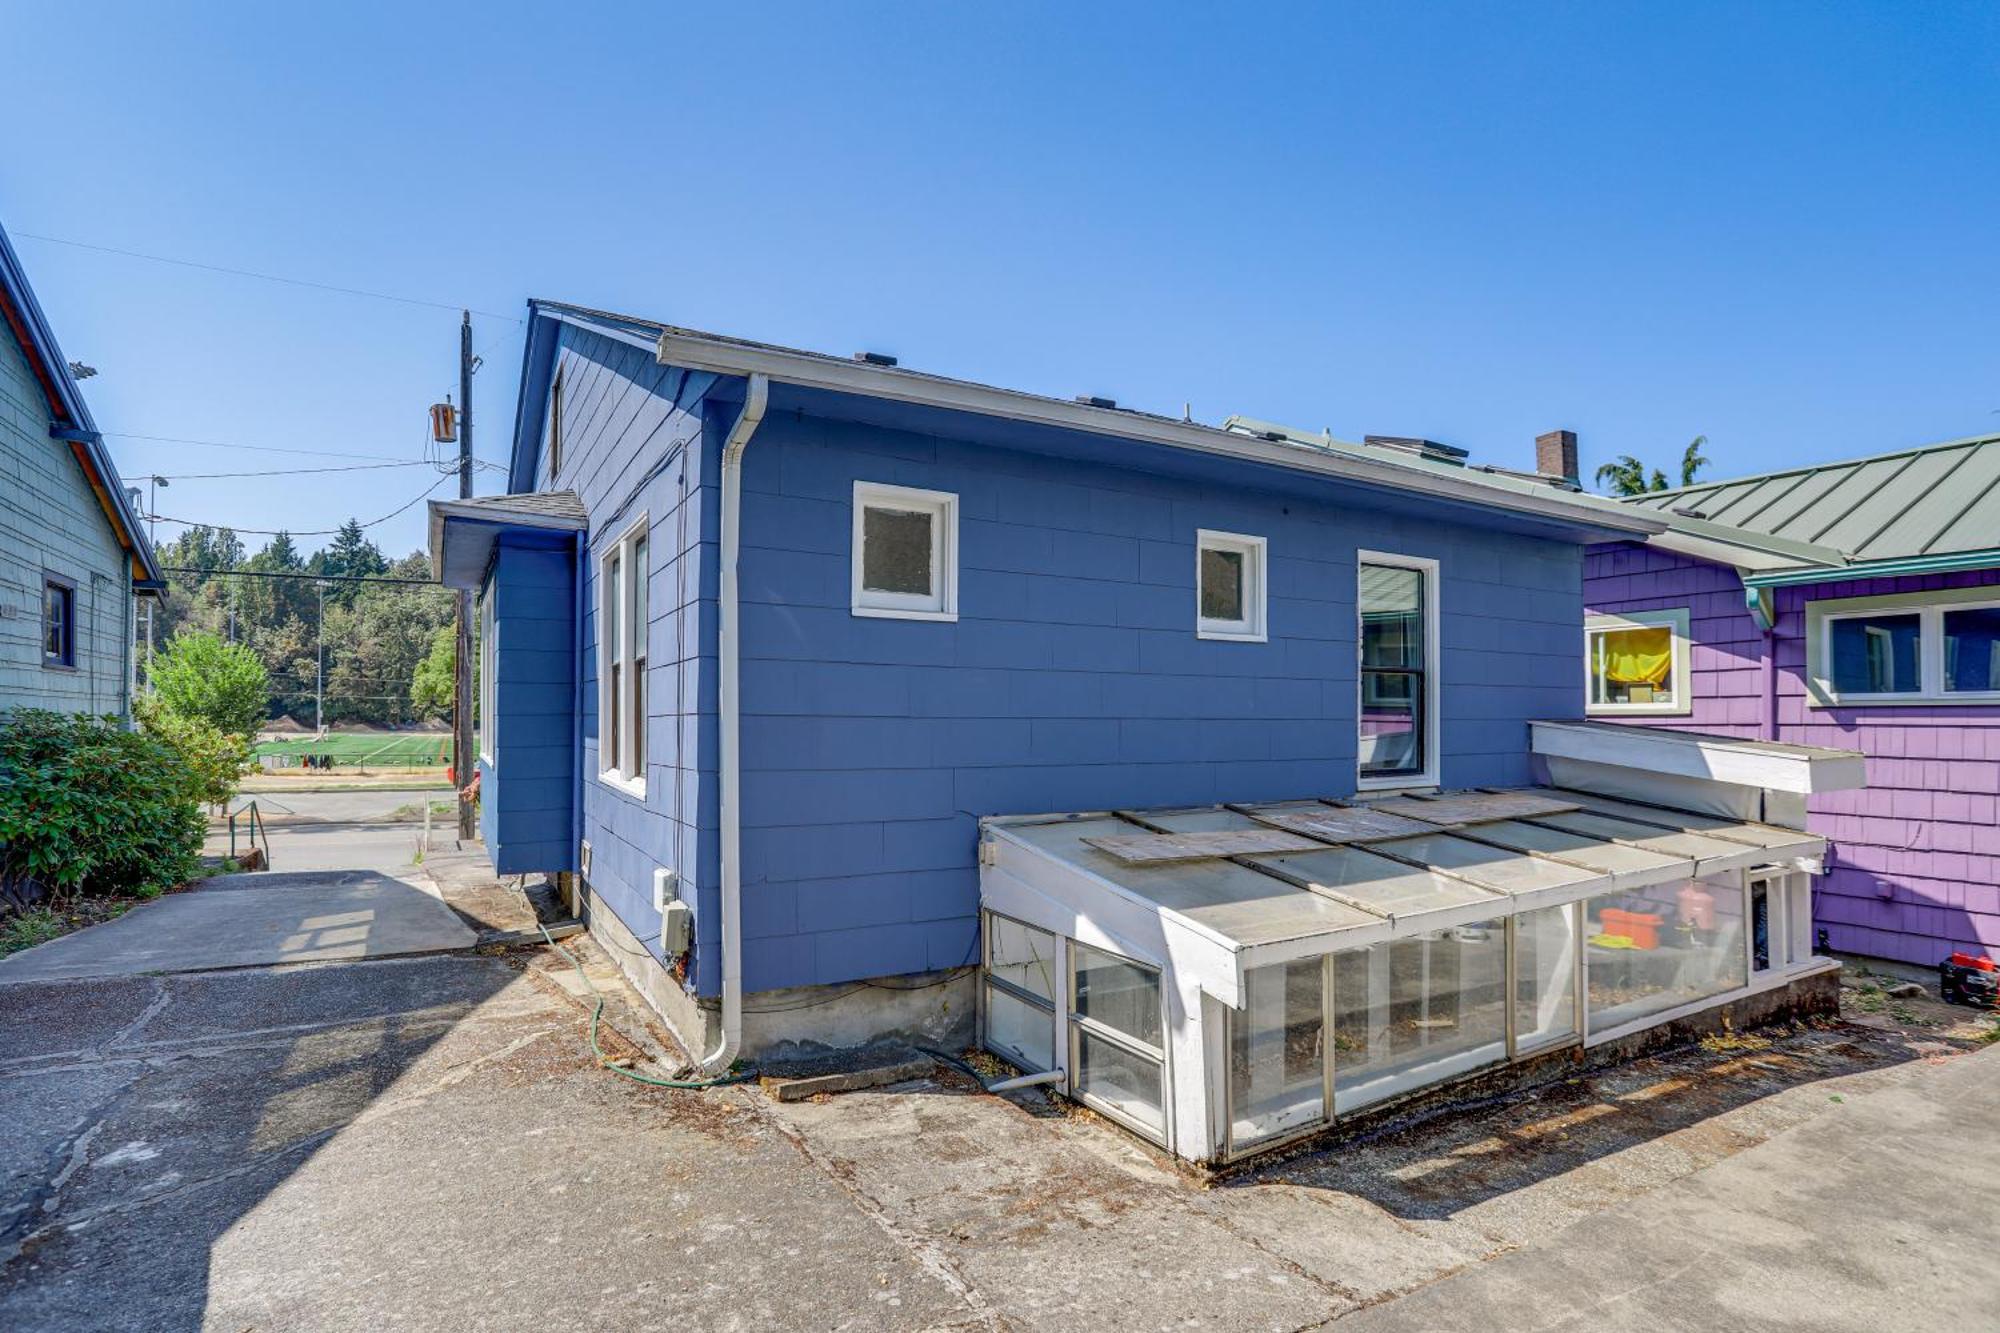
427	1143
251	921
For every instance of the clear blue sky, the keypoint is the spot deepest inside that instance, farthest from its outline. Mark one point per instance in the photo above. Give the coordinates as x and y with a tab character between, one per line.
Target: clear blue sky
1773	224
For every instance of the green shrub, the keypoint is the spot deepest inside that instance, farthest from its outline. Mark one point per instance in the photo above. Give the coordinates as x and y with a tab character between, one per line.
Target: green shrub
88	807
215	759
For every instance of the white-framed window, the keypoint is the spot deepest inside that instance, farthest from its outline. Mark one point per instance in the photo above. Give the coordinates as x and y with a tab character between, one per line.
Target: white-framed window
1229	580
1937	647
1117	1039
1396	644
555	425
1023	973
489	653
622	613
1636	662
905	554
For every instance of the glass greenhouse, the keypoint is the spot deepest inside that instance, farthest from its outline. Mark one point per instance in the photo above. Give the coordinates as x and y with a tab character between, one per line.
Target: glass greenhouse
1225	979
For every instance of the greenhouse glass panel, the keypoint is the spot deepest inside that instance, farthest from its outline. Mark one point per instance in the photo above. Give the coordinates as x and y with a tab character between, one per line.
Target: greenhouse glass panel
1408	1013
1022	956
1544	977
1122	996
1277	1052
1121	1081
1020	1031
1658	948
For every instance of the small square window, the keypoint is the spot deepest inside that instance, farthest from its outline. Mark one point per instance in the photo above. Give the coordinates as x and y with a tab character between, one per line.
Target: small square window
1637	662
1229	586
905	553
58	622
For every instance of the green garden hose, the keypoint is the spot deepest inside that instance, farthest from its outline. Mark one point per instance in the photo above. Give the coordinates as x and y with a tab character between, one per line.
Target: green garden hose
597	1014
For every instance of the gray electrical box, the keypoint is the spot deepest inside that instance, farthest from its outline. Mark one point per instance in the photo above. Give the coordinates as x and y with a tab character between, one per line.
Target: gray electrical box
676	929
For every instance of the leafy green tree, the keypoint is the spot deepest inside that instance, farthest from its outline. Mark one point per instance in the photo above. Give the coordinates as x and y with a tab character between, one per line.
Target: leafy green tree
435	679
223	684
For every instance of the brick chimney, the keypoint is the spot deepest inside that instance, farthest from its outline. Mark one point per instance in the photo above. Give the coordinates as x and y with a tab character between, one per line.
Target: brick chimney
1555	456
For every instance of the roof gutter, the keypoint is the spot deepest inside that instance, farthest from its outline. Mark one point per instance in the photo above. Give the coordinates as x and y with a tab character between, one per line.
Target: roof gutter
729	357
1879	569
728	646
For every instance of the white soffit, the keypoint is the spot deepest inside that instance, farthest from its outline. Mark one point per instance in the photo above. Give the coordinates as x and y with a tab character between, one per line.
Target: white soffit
1770	765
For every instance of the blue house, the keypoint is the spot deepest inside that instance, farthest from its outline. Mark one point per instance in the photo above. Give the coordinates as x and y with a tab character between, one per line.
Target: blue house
780	646
72	552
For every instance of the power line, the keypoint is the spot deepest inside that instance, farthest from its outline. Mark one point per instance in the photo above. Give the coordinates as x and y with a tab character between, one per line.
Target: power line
284	471
279	449
304	532
288	574
264	277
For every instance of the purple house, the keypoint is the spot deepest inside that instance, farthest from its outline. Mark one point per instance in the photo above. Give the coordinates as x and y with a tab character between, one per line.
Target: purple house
1853	605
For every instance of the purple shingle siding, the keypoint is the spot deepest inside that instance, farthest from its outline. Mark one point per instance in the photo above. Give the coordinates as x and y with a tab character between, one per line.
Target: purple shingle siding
1915	866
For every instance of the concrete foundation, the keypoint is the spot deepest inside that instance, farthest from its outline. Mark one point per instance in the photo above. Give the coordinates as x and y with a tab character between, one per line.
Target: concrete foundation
931	1009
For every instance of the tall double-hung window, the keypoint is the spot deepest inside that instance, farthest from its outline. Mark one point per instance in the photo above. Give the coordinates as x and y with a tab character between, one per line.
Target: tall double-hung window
1397	600
622	616
488	659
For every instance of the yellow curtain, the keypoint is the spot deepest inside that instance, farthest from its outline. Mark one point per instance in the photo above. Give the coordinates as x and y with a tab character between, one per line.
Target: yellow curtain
1638	656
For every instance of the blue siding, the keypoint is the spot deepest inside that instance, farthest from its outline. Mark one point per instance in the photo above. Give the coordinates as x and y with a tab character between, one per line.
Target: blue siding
529	791
1073	679
632	448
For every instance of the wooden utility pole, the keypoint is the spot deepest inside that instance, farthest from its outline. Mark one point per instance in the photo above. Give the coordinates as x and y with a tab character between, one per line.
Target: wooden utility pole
464	760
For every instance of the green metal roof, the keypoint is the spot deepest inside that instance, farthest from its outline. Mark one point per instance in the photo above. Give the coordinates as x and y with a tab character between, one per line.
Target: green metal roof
1937	504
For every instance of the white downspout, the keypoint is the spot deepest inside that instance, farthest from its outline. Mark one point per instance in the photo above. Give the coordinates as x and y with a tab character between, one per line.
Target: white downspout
717	1061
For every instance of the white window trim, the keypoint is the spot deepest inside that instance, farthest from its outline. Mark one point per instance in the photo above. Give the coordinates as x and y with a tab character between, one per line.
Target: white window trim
488	684
944	554
633	784
1674	618
554	431
1081	1025
1433	675
1929	607
1253	628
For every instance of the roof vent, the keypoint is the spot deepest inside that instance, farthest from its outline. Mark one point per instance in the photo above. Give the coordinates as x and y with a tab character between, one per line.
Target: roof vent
1276	435
1091	400
1409	444
875	358
1688	511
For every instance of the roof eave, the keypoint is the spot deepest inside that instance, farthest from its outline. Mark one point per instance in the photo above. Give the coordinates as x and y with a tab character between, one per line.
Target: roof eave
694	351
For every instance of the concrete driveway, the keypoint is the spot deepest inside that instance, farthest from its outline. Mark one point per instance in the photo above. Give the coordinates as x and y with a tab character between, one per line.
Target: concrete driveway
252	920
427	1143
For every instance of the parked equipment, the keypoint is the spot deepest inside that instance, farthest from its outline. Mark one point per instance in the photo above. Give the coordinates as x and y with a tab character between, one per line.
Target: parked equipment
1965	979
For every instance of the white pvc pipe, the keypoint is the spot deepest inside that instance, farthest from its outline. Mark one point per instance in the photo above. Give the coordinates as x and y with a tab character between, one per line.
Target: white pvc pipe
717	1061
1026	1081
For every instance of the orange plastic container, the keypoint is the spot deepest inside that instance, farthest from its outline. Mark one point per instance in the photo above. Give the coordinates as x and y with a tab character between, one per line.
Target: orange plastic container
1642	928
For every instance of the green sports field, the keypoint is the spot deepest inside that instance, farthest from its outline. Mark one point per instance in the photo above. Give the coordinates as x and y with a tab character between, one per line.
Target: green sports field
383	749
